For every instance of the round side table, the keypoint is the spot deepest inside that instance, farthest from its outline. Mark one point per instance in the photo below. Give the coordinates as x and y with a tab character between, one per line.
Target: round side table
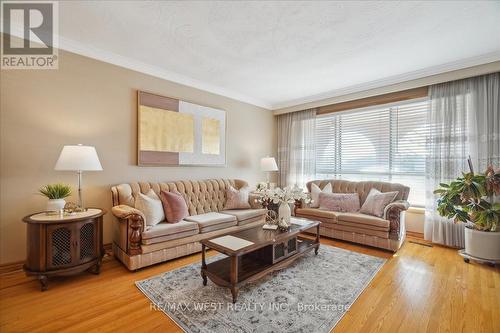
63	244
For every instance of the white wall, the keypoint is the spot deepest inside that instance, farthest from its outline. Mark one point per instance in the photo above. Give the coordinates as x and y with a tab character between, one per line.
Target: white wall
414	220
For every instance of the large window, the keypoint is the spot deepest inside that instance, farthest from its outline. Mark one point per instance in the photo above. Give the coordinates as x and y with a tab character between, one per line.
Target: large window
385	143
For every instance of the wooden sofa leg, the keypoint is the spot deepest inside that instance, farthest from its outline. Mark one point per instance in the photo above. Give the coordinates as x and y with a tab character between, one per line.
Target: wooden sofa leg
135	236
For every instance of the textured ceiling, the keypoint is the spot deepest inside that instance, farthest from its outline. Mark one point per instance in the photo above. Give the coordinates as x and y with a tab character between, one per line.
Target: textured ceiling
276	53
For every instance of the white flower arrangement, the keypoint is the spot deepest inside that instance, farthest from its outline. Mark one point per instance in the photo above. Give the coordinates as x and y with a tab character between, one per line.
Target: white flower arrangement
287	195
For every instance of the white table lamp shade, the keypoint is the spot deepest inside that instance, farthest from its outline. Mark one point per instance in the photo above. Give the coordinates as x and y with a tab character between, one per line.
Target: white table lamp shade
78	158
268	164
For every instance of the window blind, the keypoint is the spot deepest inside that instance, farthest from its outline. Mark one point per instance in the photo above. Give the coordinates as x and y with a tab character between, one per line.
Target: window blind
385	143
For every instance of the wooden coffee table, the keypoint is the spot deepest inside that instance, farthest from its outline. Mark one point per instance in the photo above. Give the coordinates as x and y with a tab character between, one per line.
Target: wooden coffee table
271	250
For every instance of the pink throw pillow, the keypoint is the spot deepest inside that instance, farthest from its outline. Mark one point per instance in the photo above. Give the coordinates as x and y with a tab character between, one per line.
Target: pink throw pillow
339	202
174	205
237	199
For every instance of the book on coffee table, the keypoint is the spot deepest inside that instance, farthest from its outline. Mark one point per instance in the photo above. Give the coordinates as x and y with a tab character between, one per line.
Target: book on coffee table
231	242
299	221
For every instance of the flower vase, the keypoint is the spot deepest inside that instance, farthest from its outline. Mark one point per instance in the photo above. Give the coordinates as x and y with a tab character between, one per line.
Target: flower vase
284	212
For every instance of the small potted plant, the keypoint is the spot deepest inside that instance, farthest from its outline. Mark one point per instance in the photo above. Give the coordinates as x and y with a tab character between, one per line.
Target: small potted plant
56	194
473	199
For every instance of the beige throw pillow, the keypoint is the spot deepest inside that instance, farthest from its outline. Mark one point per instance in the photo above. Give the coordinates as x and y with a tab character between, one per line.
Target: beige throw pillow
150	205
376	201
339	202
315	191
237	199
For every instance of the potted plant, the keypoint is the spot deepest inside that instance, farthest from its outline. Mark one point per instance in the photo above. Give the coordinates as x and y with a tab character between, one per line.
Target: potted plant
56	194
473	199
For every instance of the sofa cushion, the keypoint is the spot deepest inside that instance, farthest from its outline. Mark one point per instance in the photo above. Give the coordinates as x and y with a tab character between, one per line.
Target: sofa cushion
252	220
172	237
237	199
166	230
339	202
360	230
376	201
362	219
360	225
313	213
150	205
174	206
315	191
245	214
212	221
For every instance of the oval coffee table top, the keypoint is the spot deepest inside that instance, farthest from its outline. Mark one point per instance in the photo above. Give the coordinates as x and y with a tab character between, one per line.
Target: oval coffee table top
45	217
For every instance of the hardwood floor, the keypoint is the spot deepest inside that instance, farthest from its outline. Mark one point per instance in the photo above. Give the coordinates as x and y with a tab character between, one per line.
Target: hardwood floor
420	289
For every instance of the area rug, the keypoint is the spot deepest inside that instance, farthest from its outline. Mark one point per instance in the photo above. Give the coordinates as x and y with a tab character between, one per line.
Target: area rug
311	295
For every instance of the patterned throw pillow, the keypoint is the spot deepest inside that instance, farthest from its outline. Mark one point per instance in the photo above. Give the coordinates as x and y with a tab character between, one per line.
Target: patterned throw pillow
315	191
376	201
174	206
150	205
339	202
237	199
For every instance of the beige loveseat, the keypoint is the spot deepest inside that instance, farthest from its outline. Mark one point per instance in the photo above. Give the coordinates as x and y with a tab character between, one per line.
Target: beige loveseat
137	245
387	232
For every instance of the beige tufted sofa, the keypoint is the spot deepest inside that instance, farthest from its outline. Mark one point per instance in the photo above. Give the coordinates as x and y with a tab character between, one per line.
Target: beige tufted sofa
387	232
137	245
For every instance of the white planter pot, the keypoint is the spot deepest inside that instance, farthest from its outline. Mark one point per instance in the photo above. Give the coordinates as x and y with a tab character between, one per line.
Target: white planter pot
55	205
285	212
482	244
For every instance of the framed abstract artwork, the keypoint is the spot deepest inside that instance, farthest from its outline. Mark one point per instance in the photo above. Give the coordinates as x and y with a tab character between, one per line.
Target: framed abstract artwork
171	132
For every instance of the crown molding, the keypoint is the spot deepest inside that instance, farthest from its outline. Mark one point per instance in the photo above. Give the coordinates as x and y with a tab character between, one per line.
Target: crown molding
320	99
142	67
437	74
73	46
316	100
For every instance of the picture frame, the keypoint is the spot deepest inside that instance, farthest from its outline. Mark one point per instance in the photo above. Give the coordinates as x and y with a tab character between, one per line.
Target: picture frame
173	132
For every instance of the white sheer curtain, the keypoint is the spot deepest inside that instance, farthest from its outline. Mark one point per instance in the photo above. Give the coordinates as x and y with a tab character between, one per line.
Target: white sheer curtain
296	148
463	120
485	103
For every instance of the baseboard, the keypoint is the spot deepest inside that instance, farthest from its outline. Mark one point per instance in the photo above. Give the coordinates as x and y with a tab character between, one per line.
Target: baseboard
11	267
18	265
415	234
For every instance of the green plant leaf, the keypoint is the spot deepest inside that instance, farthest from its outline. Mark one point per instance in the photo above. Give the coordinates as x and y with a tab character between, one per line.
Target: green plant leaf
55	191
466	199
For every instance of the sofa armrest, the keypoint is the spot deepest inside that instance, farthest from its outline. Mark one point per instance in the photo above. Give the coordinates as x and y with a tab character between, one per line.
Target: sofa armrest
394	212
124	212
399	204
135	222
300	204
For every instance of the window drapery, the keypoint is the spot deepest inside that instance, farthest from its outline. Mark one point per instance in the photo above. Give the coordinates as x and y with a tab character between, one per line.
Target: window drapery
464	119
296	148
